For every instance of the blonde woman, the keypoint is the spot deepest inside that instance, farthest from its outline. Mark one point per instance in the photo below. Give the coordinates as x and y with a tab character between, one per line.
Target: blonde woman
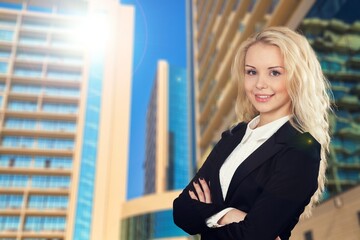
270	168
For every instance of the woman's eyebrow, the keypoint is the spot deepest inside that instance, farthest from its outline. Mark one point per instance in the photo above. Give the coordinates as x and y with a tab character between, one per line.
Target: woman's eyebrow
247	65
276	67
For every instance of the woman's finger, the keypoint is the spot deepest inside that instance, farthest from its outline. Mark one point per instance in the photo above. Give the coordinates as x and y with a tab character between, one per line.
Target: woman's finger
199	192
206	190
192	195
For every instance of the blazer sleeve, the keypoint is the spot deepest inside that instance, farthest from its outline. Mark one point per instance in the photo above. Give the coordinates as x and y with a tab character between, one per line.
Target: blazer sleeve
190	215
283	199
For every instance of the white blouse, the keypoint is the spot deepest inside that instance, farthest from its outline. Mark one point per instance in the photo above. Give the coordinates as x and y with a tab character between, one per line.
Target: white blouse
254	137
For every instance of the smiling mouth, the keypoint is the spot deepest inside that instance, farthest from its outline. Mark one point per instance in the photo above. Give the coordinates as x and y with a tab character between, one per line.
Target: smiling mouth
263	98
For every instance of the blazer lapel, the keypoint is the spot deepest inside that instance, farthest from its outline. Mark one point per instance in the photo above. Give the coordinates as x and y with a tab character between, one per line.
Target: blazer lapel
268	149
227	146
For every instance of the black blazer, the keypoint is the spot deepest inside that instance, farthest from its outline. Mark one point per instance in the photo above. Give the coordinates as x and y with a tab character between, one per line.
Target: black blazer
273	185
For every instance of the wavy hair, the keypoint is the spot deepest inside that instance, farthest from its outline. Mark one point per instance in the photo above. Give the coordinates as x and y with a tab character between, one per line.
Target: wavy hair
307	87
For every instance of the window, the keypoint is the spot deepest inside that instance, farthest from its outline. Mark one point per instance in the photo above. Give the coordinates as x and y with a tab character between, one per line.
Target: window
64	75
10	201
39	224
59	91
60	108
8	180
28	89
50	181
53	143
3	67
20	123
9	223
308	235
22	55
32	40
48	202
22	106
27	72
18	141
53	162
6	35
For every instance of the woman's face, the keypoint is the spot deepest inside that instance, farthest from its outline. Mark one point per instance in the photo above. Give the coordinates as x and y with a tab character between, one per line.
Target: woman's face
265	82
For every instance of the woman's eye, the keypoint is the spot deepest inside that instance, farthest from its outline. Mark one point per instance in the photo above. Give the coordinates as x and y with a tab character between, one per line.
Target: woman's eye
250	72
275	73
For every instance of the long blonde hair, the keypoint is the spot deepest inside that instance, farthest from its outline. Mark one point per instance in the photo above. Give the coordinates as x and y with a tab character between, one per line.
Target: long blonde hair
307	87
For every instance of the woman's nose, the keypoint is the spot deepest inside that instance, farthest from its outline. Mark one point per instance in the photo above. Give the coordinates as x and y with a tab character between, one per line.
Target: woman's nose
261	82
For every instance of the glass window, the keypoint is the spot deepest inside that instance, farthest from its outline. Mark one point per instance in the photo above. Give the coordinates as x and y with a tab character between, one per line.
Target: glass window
48	202
10	201
32	40
57	58
50	181
20	88
53	162
22	106
59	91
22	55
8	180
52	125
21	123
6	35
53	143
308	235
41	9
33	24
27	72
5	53
7	21
9	223
11	5
64	75
3	67
15	160
18	141
2	87
60	108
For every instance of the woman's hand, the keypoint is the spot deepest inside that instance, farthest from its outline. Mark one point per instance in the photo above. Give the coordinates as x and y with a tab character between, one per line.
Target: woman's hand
202	191
234	215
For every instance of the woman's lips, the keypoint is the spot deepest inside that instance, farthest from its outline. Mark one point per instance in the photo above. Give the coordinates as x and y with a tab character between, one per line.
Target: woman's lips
263	97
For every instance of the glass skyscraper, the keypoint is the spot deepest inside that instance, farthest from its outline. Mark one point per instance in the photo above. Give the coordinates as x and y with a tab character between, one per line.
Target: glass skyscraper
64	111
168	157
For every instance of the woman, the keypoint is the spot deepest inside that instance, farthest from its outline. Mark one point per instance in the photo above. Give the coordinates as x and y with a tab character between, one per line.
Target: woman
270	168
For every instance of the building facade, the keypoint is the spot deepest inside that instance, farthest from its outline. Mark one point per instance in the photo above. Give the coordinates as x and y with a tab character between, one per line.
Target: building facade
168	158
65	70
332	27
218	28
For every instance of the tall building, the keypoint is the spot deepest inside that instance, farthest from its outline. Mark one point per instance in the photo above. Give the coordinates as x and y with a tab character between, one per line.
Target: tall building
336	39
65	70
332	28
218	28
168	158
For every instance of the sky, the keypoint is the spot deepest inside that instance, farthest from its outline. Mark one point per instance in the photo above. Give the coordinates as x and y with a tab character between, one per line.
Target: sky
160	33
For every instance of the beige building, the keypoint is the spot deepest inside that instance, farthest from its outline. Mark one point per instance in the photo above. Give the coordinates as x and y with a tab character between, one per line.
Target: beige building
336	218
65	71
219	27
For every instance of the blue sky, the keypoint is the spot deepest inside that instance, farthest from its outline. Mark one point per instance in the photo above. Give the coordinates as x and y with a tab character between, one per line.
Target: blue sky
160	33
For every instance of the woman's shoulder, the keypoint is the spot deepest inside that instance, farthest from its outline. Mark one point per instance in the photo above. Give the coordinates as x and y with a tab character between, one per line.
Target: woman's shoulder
233	129
301	142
